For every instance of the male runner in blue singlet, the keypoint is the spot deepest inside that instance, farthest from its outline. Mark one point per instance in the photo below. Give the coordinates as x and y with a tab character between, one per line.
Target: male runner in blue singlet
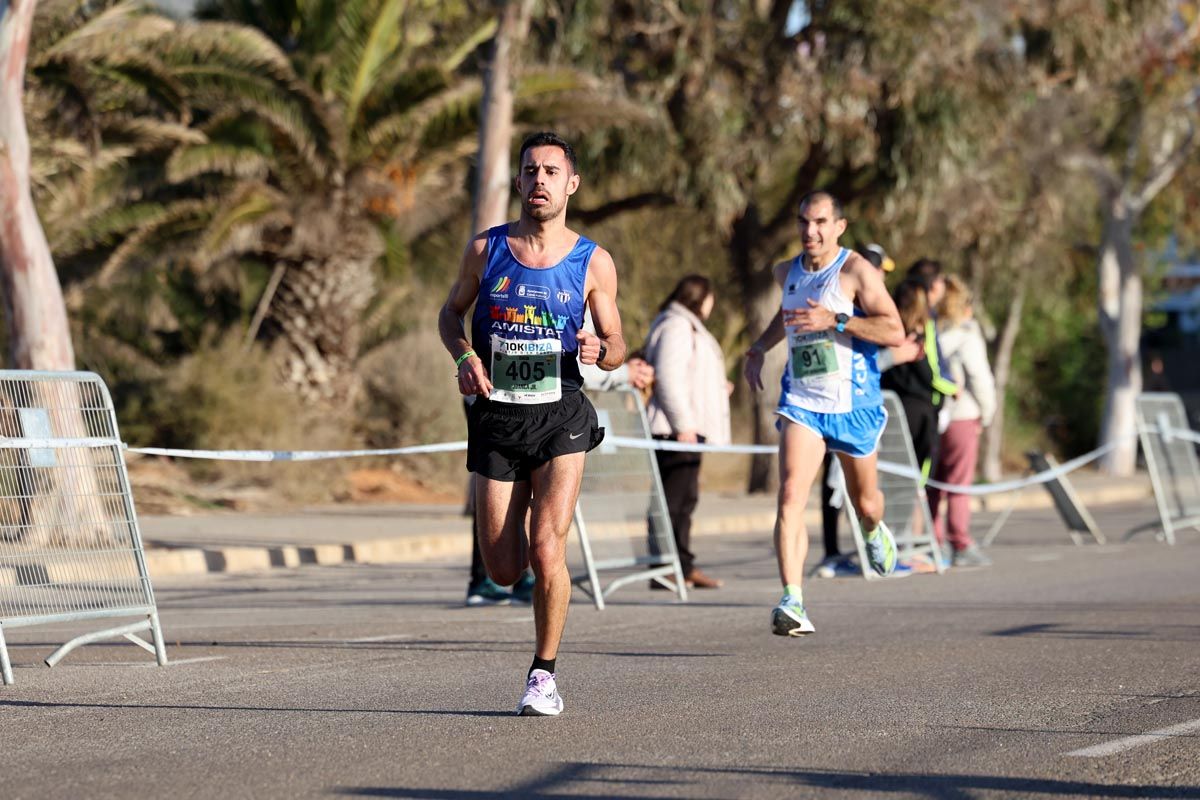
836	313
527	434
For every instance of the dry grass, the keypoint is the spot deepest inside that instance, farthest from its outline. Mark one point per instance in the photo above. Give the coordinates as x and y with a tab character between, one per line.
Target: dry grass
226	397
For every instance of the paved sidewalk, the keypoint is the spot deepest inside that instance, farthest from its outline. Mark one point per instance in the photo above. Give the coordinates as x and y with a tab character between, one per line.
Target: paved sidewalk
379	534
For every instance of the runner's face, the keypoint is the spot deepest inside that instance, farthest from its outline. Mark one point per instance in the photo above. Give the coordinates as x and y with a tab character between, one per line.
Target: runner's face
820	227
545	182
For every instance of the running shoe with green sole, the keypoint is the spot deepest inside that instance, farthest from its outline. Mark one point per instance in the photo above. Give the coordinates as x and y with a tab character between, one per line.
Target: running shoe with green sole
881	551
789	618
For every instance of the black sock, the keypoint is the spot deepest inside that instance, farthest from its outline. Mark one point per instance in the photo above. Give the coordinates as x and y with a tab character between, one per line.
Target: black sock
542	663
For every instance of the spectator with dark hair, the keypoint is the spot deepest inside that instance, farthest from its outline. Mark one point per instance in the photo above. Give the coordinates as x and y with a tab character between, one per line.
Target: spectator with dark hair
927	273
912	379
690	403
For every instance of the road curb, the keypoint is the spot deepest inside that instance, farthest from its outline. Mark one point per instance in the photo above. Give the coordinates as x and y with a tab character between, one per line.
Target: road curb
453	542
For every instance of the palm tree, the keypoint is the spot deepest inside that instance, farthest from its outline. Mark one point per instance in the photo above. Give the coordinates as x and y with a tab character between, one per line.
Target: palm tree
219	150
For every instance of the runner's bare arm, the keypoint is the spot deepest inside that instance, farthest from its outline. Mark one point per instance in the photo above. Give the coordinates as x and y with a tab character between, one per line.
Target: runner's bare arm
472	375
862	283
601	291
773	335
881	324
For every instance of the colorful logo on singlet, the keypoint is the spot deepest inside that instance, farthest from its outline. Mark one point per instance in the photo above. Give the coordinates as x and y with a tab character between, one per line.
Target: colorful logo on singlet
529	319
501	286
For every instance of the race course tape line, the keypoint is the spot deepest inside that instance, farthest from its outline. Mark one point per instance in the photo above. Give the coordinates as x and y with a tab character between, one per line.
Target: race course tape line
618	441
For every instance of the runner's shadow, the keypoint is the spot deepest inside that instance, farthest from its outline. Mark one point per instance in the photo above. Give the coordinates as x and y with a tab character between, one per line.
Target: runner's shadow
440	712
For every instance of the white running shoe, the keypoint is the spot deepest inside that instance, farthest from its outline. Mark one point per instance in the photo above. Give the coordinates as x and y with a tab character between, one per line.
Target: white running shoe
541	698
790	619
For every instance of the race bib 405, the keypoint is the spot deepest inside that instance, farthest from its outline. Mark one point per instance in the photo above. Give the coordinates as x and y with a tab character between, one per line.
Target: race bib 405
526	371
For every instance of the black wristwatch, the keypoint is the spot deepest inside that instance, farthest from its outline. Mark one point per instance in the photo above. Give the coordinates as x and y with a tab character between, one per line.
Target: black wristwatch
841	320
603	353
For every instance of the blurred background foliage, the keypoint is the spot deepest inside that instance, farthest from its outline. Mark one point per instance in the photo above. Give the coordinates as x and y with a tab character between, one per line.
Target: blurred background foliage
256	209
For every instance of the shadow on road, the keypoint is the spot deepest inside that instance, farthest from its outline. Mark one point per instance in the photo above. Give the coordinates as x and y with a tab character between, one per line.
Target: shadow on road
580	781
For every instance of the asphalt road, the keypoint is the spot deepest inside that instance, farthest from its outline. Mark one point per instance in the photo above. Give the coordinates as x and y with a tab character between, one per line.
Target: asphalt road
374	681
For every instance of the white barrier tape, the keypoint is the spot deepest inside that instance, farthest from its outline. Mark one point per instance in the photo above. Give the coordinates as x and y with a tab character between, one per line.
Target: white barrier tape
889	467
618	441
7	443
297	455
1032	480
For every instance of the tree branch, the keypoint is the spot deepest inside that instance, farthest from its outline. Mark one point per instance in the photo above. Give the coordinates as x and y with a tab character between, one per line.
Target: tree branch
1097	167
1166	166
592	216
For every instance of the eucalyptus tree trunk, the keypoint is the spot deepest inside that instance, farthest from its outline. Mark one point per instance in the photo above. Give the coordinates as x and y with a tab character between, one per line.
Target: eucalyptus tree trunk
493	186
39	336
760	301
993	439
1120	312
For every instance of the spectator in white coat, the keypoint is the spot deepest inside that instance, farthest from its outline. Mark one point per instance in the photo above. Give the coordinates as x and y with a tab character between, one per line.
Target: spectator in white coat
690	403
965	352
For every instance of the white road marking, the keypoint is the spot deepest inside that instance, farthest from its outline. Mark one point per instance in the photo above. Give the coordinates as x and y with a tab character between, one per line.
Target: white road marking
1045	557
1129	742
389	638
515	619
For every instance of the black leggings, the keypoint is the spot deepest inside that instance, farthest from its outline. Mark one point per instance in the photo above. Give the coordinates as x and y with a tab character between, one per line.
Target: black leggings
680	474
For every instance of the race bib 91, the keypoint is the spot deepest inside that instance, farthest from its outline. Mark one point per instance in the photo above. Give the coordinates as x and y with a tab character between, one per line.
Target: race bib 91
526	371
813	357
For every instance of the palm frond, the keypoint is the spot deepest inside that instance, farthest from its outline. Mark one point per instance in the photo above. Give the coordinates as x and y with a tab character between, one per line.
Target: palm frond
147	132
249	205
124	29
300	124
230	45
104	229
143	78
167	226
381	42
224	159
469	45
399	136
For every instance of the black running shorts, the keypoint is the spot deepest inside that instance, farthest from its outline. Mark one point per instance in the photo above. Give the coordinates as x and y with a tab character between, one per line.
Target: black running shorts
506	442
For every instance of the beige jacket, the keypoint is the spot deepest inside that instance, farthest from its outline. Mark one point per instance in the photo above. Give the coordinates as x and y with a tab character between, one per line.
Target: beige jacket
965	352
690	390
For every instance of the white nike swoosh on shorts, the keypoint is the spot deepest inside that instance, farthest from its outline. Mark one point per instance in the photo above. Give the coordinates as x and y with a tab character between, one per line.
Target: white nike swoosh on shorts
574	435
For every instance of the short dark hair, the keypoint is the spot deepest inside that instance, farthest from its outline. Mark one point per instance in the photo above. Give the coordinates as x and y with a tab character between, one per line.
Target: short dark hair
549	139
690	292
924	271
822	194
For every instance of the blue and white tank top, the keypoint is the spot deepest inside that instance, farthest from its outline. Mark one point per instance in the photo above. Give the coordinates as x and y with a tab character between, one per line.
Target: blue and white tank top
526	320
827	372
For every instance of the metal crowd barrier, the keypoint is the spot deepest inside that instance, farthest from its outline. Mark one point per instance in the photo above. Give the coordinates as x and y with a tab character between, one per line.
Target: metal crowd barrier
906	508
1171	461
621	514
70	548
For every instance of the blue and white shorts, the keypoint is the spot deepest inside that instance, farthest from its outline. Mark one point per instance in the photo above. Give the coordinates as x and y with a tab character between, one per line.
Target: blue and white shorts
854	432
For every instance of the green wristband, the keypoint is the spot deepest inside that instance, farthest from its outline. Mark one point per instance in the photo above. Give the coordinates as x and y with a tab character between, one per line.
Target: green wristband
459	361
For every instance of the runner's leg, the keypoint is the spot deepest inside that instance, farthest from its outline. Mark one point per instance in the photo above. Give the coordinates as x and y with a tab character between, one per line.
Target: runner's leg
862	481
500	508
555	489
800	455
